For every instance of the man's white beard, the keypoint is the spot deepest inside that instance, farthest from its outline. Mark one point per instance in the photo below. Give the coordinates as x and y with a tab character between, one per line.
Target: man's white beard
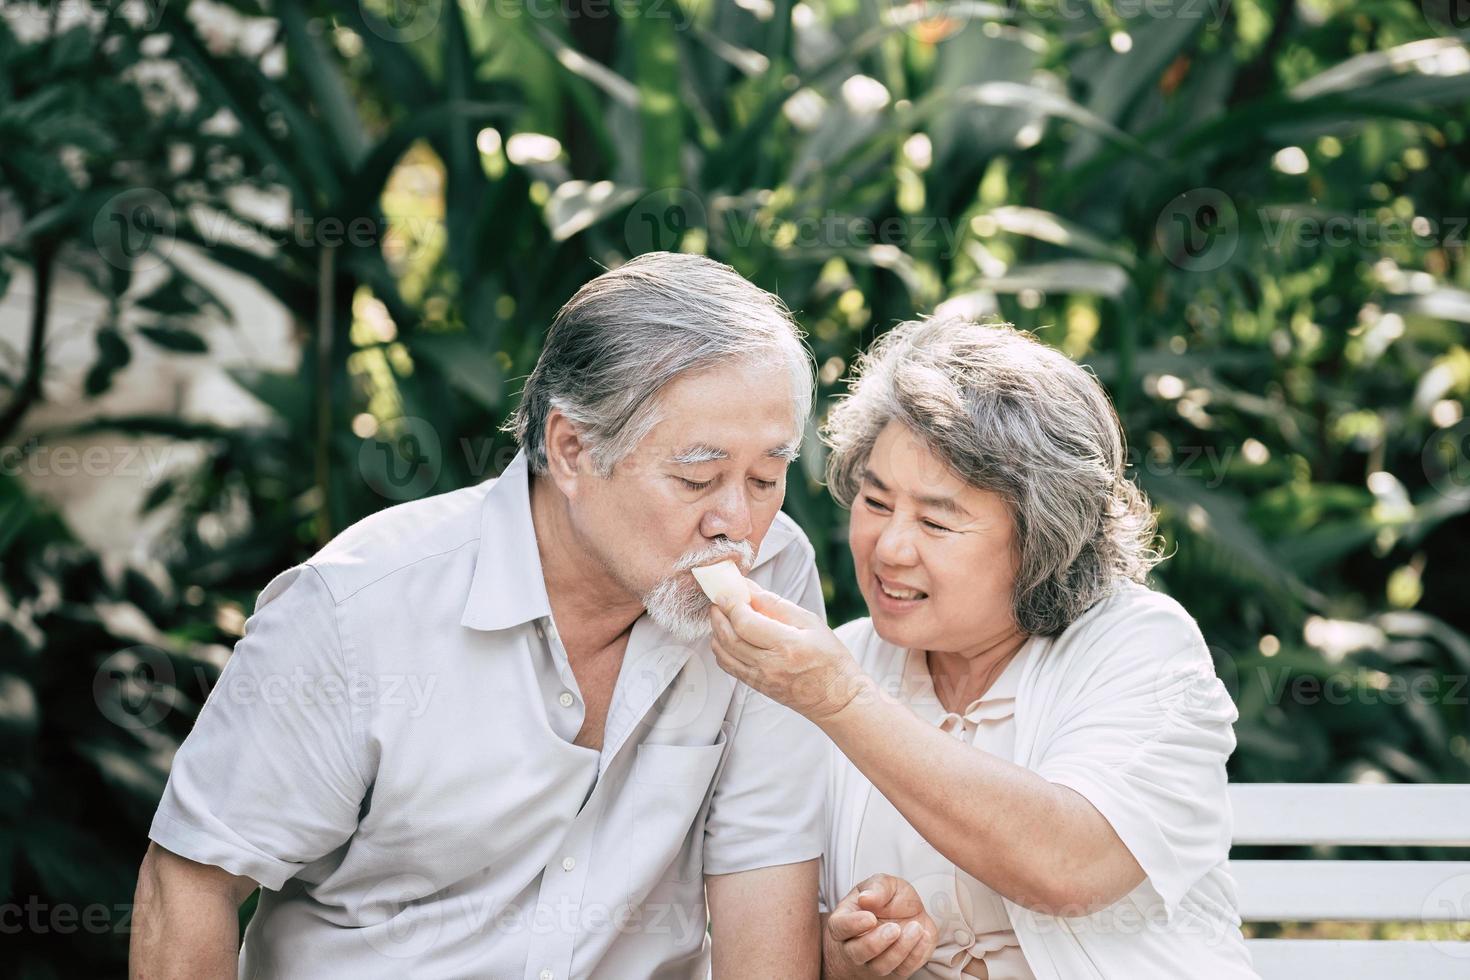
678	605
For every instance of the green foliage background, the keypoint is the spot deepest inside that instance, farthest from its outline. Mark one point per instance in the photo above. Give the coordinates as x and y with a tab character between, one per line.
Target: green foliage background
1152	187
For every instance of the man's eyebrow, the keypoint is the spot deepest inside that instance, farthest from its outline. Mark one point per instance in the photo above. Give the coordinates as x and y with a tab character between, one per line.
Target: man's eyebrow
694	455
946	504
698	454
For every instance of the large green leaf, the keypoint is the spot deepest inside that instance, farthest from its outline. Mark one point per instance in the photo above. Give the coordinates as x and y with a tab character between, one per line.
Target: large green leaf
113	354
1048	227
180	340
577	205
656	60
1431	69
1218	517
181	295
330	96
365	186
736	153
393	60
468	365
238	90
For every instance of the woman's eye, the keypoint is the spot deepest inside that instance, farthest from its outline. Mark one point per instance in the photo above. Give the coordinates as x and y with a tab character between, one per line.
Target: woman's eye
877	505
695	486
935	527
764	484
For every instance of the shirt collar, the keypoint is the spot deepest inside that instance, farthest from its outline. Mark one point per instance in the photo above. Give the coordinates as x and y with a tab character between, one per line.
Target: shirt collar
1009	682
509	587
998	701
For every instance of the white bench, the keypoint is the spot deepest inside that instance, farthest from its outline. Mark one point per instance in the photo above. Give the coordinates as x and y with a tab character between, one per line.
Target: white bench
1354	891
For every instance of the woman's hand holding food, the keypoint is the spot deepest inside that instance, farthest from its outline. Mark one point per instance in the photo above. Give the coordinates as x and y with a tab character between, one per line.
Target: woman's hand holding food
785	652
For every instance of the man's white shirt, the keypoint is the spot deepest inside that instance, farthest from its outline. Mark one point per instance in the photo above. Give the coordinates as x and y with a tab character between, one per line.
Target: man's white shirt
389	753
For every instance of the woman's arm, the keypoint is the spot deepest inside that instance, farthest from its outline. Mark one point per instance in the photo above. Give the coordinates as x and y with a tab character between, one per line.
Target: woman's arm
1041	845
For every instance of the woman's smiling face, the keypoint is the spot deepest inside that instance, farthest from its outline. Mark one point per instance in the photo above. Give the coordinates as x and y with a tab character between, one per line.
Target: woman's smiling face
935	557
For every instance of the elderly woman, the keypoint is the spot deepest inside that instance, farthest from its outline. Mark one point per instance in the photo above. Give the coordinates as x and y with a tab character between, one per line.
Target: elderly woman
1031	779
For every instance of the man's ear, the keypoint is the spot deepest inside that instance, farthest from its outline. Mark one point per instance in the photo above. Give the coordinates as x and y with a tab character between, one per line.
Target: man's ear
566	461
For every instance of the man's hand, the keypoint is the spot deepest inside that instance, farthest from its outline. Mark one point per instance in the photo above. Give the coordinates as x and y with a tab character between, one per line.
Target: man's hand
879	930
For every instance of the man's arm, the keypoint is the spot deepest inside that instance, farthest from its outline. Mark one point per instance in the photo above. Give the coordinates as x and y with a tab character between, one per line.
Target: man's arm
766	823
263	785
186	922
764	923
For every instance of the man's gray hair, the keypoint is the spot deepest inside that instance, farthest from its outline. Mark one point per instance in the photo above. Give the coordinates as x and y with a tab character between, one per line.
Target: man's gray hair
626	334
1009	414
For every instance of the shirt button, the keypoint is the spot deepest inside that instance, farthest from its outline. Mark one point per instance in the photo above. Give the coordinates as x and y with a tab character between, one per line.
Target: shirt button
568	863
540	632
566	699
547	975
964	938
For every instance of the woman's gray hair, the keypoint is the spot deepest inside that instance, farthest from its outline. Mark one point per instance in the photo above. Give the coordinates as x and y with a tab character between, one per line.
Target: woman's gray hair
1011	415
626	334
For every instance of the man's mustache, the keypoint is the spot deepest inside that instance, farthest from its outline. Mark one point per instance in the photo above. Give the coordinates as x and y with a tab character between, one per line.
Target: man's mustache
739	551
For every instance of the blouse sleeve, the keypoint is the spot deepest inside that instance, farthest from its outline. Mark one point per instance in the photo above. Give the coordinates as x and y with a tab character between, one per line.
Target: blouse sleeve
1143	731
859	638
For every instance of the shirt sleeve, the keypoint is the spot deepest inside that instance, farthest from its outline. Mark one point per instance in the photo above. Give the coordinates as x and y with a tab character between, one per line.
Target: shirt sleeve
768	805
271	779
1144	738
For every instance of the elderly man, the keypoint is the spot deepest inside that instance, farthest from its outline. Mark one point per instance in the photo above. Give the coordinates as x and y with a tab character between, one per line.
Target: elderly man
575	774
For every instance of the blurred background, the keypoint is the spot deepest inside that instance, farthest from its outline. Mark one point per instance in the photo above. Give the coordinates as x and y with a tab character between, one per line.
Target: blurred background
266	268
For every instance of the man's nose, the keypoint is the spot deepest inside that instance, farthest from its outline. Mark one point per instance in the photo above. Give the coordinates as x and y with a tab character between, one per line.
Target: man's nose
730	516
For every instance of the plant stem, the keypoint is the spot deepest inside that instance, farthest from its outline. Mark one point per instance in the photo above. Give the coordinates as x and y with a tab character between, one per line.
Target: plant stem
29	390
326	277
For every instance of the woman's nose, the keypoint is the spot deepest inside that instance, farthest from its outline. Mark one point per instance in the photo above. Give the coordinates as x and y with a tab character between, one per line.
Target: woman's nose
895	545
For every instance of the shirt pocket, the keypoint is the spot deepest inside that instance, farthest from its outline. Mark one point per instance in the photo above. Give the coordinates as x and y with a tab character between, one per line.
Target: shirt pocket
671	784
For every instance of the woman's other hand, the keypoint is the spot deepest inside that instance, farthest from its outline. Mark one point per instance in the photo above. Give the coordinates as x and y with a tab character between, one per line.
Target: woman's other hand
879	930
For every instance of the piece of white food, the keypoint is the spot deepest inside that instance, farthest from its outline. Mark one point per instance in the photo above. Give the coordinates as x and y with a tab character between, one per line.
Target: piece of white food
722	582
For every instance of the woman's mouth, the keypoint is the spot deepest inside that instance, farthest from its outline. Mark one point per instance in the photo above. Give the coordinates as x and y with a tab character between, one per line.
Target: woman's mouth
898	595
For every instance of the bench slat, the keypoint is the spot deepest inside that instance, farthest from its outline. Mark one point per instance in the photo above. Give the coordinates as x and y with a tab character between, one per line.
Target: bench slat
1351	813
1362	959
1432	891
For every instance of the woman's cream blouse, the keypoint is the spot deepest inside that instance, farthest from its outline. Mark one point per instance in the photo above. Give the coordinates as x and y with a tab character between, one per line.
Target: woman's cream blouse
973	923
1124	708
